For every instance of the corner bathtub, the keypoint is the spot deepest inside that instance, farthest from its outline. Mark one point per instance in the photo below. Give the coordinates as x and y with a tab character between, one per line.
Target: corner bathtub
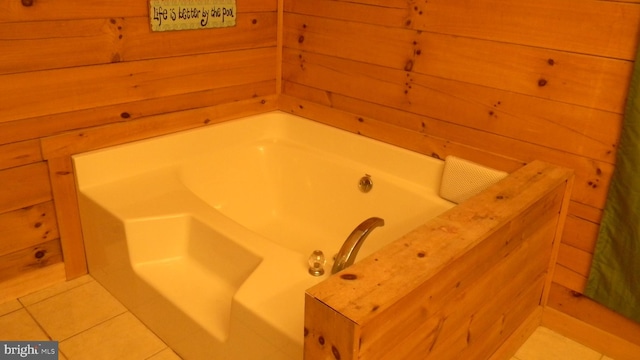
205	235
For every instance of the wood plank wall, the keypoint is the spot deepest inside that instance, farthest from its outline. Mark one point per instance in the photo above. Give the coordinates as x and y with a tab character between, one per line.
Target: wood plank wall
500	82
95	67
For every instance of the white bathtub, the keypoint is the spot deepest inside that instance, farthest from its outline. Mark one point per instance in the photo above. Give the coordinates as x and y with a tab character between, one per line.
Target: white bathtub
205	234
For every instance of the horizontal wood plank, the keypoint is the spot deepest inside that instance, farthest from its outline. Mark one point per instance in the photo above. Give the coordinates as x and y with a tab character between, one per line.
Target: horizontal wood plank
14	11
544	73
569	279
30	46
102	85
19	153
35	257
75	142
23	228
575	259
596	29
604	28
24	186
580	234
53	124
610	345
580	307
573	129
41	45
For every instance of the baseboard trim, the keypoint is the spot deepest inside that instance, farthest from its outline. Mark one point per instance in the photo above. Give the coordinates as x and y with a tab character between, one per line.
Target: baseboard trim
32	281
589	335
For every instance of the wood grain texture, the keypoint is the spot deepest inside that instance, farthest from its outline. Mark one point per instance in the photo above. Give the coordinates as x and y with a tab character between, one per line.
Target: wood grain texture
575	307
24	186
52	124
93	74
450	288
42	10
66	203
42	45
103	85
36	257
27	227
19	153
594	29
498	82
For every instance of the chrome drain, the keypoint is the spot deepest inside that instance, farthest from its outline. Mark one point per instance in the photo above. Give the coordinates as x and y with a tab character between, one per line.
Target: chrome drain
365	184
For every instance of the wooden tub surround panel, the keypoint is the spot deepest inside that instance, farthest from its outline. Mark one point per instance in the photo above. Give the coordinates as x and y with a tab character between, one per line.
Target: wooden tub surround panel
456	287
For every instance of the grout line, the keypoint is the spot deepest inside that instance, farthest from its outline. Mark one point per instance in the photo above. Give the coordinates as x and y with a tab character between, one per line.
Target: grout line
161	350
12	311
76	283
38	323
26	307
93	326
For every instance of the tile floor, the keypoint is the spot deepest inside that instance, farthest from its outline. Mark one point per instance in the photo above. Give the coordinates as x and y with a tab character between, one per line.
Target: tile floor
85	319
545	344
90	324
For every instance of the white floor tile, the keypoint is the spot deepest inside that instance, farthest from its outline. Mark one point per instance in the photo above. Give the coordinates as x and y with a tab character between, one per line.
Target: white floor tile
75	310
10	306
545	344
123	337
19	325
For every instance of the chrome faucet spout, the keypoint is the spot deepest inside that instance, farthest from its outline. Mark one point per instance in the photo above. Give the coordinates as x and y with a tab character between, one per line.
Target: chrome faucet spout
349	250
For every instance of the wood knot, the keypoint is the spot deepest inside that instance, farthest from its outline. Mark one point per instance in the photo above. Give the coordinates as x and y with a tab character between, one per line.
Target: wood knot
300	39
40	254
408	66
349	276
576	294
125	115
27	3
335	352
321	340
542	82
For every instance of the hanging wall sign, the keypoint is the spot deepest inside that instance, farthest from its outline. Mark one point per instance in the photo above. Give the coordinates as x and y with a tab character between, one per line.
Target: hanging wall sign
166	15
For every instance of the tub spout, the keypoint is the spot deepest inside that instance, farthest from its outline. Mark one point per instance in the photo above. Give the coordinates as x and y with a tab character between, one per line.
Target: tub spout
349	250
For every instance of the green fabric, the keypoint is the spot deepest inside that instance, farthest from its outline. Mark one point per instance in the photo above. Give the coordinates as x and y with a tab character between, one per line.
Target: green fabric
614	280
